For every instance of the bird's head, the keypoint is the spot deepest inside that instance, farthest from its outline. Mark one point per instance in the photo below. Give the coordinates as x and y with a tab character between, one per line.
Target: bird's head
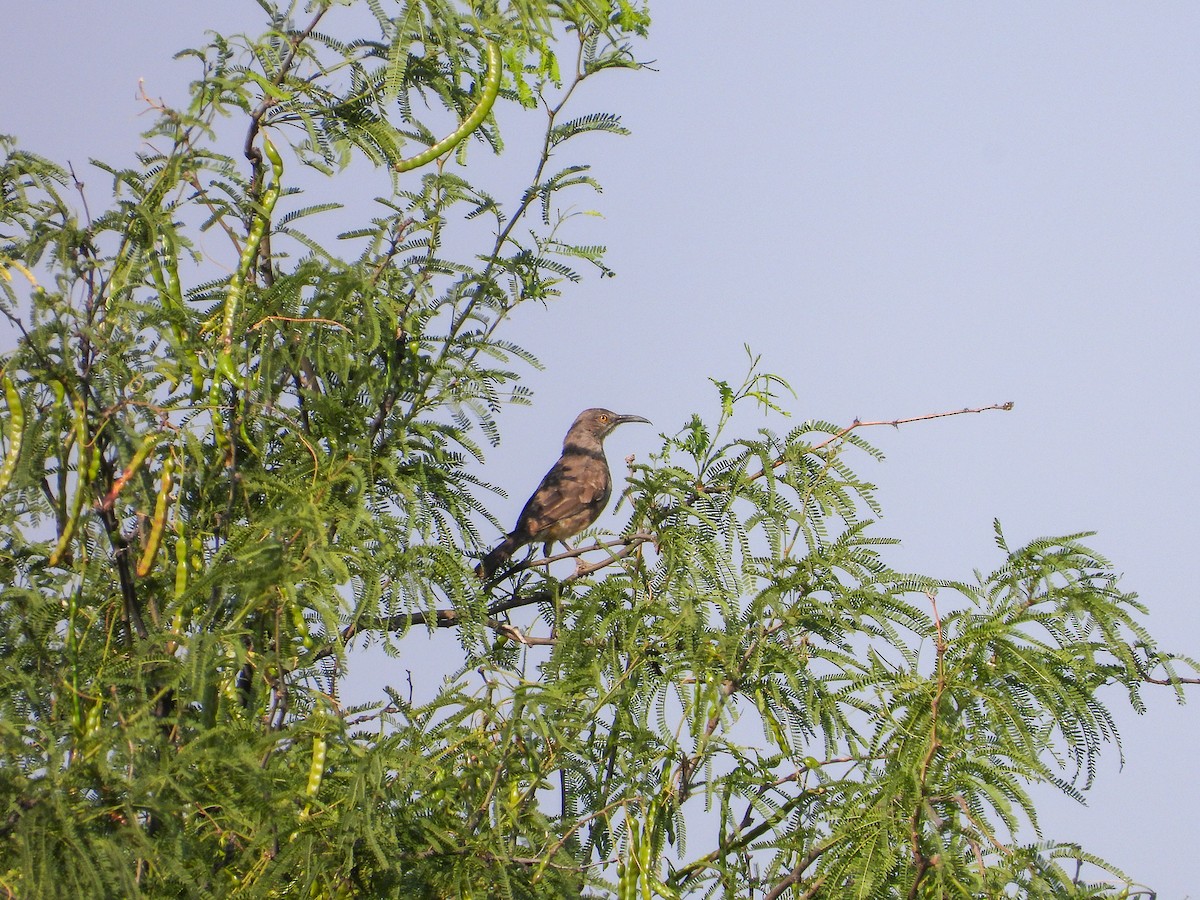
599	422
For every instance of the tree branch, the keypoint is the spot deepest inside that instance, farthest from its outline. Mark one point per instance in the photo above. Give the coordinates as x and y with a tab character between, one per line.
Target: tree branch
794	876
251	152
450	618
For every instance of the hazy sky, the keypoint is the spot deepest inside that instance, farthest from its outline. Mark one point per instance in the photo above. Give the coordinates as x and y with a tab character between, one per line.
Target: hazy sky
905	208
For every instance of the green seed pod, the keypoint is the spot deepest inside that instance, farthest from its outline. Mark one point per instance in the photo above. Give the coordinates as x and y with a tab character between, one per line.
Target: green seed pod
165	274
316	769
644	855
16	430
93	721
139	457
254	239
491	89
83	470
299	623
623	882
181	561
225	369
157	523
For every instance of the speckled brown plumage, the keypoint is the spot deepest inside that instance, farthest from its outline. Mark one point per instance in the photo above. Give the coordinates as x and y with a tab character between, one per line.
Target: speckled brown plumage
571	496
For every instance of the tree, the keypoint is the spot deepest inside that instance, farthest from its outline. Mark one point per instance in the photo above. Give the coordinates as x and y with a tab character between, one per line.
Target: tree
222	479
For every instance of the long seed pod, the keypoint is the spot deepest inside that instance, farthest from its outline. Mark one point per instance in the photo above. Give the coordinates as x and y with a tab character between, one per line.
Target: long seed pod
644	856
491	90
181	561
316	769
139	457
83	471
225	370
258	230
158	523
6	264
633	874
165	273
16	430
623	881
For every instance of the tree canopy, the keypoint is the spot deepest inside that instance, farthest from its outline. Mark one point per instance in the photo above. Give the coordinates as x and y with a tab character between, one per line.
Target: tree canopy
243	441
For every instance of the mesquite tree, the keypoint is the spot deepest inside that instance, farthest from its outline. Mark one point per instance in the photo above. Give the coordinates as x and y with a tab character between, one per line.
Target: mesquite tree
227	472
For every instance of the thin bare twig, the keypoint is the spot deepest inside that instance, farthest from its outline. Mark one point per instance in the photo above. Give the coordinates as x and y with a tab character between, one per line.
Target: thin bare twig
895	423
1170	681
315	320
514	633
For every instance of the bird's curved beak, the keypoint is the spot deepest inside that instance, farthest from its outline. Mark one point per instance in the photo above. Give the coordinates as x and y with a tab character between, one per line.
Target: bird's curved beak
621	420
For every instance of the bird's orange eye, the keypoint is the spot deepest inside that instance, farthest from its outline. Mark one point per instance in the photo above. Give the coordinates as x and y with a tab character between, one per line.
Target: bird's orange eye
604	418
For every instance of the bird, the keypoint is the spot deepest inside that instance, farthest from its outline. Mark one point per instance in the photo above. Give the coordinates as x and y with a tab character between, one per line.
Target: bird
571	496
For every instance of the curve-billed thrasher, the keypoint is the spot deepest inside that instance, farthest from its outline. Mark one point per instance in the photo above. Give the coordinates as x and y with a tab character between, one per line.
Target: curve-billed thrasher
571	496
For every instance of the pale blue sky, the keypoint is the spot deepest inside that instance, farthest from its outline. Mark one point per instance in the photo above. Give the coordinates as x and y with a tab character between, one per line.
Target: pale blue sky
905	208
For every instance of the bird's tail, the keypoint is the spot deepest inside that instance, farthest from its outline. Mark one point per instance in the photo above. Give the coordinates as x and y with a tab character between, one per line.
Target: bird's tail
499	555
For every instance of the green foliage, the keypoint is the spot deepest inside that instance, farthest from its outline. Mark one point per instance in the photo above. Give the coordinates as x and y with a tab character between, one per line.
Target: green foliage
222	470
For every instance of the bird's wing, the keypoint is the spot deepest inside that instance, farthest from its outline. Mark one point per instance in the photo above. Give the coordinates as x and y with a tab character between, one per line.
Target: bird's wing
569	490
